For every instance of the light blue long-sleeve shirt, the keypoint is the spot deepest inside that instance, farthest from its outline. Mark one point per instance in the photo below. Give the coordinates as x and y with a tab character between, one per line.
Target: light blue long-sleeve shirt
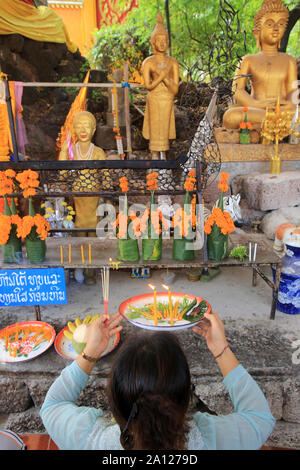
84	428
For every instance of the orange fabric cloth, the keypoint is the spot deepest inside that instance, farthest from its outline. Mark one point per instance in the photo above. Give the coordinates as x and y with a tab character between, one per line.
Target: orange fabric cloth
5	135
78	105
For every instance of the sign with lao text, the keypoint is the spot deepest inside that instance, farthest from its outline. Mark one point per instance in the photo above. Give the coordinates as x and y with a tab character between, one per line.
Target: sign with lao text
32	287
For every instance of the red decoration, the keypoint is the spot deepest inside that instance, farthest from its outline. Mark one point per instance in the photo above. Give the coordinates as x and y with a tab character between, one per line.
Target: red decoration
109	11
29	2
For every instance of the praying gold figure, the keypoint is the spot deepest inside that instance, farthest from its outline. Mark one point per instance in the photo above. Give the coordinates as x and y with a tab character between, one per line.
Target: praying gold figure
273	74
161	77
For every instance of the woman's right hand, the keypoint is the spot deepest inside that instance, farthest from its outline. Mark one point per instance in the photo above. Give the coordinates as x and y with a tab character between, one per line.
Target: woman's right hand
212	329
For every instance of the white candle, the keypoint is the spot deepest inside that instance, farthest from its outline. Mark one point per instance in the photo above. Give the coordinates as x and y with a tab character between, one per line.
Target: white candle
254	256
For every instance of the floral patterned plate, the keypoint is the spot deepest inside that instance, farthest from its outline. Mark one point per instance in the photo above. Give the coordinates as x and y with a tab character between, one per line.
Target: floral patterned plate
64	348
25	340
130	310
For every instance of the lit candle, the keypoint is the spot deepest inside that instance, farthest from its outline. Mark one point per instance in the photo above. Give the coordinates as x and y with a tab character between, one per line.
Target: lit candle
115	264
69	253
82	256
155	305
170	304
61	254
90	254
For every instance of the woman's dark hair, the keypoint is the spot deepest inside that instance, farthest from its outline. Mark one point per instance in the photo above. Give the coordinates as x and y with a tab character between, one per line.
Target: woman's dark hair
149	391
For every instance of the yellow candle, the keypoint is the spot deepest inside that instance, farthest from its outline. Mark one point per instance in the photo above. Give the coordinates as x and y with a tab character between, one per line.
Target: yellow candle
69	253
170	304
61	254
82	256
90	254
155	304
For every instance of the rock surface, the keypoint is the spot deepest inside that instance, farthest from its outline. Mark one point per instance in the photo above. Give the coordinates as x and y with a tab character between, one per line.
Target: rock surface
266	192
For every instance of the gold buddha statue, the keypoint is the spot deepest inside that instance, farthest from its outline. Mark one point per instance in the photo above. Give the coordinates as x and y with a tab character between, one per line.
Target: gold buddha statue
273	74
84	124
161	78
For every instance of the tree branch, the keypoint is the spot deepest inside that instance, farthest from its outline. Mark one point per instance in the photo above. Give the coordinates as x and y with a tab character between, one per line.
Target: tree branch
294	16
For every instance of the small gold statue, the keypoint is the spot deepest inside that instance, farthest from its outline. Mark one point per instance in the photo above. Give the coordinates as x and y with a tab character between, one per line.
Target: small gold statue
273	74
84	124
161	77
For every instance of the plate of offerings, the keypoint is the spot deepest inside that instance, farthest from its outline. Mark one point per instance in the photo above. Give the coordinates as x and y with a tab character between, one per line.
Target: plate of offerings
25	340
71	340
163	311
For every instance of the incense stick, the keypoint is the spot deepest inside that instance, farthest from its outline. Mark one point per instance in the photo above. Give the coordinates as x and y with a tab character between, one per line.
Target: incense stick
105	288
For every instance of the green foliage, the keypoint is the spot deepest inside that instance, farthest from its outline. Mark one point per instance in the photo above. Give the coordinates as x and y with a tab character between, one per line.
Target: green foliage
239	252
117	44
203	36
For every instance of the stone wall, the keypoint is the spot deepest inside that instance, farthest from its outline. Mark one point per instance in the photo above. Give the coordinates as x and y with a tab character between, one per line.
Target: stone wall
264	349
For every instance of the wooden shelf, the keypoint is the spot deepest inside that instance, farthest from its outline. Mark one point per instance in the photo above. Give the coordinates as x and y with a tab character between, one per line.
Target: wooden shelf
104	250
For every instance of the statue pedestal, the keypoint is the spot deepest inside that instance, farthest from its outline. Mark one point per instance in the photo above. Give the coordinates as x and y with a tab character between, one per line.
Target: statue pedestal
231	152
225	136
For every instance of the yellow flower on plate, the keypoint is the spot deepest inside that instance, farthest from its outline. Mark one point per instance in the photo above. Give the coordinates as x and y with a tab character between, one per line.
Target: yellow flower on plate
70	208
72	212
69	217
49	209
64	204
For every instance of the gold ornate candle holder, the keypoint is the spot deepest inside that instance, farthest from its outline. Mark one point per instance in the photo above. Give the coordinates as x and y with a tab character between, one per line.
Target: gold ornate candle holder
276	126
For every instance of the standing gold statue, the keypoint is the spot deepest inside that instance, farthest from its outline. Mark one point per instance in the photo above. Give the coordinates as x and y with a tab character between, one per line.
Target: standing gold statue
161	77
273	74
85	126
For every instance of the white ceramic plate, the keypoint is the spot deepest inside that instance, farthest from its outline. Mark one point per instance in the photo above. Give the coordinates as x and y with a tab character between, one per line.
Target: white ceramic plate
140	300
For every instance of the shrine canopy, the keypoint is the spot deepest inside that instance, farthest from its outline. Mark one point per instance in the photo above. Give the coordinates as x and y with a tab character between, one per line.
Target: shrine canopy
40	24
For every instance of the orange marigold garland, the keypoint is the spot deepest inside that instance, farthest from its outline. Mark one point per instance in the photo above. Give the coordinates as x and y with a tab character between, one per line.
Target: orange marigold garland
33	227
223	185
28	181
5	228
123	184
222	219
6	182
151	180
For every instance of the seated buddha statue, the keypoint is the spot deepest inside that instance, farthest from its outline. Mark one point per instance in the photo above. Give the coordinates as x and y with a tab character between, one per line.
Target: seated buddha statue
161	77
273	74
84	124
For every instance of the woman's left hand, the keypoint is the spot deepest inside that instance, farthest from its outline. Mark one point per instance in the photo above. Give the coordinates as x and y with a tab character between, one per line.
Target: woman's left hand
99	334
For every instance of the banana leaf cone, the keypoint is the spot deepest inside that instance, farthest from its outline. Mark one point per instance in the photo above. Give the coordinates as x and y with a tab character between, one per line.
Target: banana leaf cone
7	210
151	247
183	247
36	250
35	247
12	250
127	248
217	244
